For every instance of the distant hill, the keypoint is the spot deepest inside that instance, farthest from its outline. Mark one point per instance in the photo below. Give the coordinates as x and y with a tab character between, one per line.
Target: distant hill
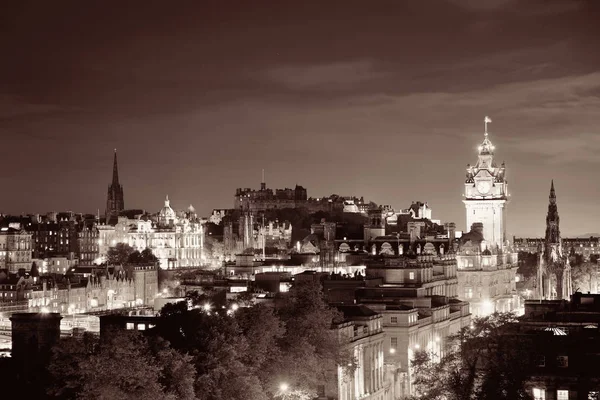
588	235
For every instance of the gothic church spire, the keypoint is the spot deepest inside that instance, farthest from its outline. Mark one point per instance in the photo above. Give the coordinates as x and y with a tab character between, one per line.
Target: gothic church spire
114	200
115	178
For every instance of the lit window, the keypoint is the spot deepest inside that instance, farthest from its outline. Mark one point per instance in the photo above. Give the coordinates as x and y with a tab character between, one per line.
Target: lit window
394	320
411	275
539	394
393	342
141	327
562	395
562	361
130	326
468	293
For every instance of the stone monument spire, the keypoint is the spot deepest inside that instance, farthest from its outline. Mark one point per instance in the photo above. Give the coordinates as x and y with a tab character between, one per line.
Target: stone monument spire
554	271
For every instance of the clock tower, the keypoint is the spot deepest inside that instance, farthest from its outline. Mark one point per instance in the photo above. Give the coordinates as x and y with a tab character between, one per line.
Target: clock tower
486	194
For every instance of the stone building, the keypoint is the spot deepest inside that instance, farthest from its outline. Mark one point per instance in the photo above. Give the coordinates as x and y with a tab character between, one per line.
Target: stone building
88	238
15	249
176	240
362	333
486	195
564	345
418	301
246	199
587	247
487	263
486	279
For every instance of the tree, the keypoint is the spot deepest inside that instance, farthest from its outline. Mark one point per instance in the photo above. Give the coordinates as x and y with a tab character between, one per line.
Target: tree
148	257
485	361
135	258
584	276
214	250
218	349
125	366
310	348
119	254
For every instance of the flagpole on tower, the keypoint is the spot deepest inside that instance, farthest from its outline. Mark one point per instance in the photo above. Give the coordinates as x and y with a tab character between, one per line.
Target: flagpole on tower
486	121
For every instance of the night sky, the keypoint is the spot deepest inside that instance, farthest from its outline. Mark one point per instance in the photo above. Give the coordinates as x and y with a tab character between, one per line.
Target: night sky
379	99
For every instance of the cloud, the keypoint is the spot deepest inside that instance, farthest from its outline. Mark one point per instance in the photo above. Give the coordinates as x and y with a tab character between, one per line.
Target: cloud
524	8
566	149
324	76
14	107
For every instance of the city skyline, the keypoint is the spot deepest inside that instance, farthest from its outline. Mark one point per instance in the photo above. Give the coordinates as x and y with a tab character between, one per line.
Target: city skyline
388	105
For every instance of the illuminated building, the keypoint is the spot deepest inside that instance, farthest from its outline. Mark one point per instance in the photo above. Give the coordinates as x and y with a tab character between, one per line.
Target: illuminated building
15	249
554	271
418	301
487	264
246	199
362	333
115	202
176	240
587	247
89	243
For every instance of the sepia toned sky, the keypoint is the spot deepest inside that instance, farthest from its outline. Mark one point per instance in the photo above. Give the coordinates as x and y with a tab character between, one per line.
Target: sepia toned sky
381	99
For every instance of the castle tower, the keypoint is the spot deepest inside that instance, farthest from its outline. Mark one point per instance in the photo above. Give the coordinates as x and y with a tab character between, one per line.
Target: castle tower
486	194
554	271
114	200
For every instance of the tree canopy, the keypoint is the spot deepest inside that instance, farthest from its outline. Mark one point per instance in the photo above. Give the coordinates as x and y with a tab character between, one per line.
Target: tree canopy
210	348
125	366
122	253
257	348
483	361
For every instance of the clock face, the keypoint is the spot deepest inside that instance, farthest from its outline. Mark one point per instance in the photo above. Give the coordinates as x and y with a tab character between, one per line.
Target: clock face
484	187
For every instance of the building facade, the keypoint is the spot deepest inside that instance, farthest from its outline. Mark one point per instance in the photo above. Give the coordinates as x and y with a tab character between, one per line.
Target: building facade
15	249
486	194
487	263
89	243
362	333
418	301
176	239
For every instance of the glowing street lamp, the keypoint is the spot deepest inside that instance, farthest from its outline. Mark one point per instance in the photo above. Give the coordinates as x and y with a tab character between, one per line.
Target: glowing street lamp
283	387
206	307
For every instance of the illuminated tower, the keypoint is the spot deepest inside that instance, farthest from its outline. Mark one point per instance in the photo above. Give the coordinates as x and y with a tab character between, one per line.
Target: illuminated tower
486	194
554	271
114	200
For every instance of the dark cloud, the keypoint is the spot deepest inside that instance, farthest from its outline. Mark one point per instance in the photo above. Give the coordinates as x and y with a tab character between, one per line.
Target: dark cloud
384	100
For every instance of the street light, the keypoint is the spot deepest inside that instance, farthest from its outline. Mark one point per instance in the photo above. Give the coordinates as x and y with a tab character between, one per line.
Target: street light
283	387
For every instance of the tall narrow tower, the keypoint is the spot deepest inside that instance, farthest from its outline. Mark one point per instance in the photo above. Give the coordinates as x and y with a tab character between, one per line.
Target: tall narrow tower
554	271
486	194
114	199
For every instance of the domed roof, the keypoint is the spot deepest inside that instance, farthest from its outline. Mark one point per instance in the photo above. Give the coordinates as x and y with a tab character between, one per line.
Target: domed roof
166	213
